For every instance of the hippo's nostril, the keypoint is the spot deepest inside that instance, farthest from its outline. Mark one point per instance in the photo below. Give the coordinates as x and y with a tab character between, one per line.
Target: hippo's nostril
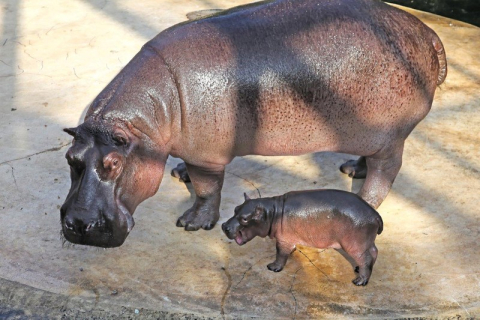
89	226
69	225
78	226
224	227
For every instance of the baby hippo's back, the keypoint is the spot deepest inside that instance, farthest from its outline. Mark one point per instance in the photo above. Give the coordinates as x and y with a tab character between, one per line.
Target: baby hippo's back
328	219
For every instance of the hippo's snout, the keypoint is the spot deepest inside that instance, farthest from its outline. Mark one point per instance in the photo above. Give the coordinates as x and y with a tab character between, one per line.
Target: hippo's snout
81	226
78	224
228	230
234	232
224	227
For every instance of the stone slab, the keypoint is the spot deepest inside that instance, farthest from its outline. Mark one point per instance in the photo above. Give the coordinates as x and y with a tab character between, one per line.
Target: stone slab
56	55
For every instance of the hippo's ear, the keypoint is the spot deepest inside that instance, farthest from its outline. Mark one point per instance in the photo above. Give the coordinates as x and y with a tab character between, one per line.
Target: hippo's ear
246	197
259	214
71	131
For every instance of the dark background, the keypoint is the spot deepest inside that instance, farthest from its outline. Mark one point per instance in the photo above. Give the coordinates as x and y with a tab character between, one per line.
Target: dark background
463	10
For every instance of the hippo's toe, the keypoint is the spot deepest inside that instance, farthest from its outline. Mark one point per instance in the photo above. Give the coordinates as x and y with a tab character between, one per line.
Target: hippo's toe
356	169
193	221
180	172
191	227
360	281
180	222
208	226
274	267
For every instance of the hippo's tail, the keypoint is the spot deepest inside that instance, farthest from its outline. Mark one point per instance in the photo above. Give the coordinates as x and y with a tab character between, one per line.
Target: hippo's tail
380	224
442	59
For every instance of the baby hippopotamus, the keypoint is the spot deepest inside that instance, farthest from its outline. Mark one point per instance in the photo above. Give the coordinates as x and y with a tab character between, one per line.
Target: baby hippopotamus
315	218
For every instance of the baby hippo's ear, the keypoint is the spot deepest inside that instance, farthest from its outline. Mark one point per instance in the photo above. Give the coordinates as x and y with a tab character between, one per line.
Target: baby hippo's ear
259	214
246	197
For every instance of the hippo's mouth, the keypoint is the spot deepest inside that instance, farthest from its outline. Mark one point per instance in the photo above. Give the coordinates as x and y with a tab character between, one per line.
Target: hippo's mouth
239	238
127	216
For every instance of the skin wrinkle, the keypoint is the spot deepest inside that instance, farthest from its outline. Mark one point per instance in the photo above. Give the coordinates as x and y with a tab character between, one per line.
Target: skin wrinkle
97	112
122	86
177	94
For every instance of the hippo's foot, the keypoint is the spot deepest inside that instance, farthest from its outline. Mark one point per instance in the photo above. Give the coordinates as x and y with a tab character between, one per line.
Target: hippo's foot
275	266
180	172
283	251
360	281
207	182
194	219
356	169
364	264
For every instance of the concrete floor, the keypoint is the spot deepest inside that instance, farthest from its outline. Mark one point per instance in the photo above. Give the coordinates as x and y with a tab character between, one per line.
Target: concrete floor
56	55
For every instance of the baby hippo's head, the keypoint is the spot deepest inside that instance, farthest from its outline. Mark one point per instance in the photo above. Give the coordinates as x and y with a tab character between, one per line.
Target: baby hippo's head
249	221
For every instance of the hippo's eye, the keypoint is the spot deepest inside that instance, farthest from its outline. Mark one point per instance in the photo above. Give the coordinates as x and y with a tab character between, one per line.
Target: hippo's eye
120	139
244	220
78	168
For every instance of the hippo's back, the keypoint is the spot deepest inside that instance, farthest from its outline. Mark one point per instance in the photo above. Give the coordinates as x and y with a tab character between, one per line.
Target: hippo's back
297	76
329	202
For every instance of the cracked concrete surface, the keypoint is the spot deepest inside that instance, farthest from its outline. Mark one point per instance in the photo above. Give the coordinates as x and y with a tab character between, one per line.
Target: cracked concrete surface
55	56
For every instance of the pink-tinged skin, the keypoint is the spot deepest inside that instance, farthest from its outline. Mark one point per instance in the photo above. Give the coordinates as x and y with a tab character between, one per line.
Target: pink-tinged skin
282	77
315	218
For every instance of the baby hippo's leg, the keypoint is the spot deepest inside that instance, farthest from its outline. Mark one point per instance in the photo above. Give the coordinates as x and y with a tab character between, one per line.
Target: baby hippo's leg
365	261
374	252
283	251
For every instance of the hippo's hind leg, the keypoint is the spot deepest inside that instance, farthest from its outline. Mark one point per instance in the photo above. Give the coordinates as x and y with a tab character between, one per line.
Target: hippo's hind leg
207	183
365	261
180	172
382	170
356	169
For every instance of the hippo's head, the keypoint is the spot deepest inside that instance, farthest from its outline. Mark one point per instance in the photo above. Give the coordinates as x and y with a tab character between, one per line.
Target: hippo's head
250	220
112	169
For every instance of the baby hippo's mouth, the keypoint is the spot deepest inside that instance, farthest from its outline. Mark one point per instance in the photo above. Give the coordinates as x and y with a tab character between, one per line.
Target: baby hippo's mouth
239	238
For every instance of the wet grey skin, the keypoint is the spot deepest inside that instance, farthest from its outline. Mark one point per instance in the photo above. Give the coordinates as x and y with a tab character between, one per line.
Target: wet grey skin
315	218
283	77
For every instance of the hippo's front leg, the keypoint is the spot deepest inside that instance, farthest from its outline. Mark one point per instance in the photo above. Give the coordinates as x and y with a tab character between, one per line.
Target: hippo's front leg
283	251
207	182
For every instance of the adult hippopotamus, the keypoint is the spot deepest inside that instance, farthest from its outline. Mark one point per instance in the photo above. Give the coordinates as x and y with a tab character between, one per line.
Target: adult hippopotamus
283	77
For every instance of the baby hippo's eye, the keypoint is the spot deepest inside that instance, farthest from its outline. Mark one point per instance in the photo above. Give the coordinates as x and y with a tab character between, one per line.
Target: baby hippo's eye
244	220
